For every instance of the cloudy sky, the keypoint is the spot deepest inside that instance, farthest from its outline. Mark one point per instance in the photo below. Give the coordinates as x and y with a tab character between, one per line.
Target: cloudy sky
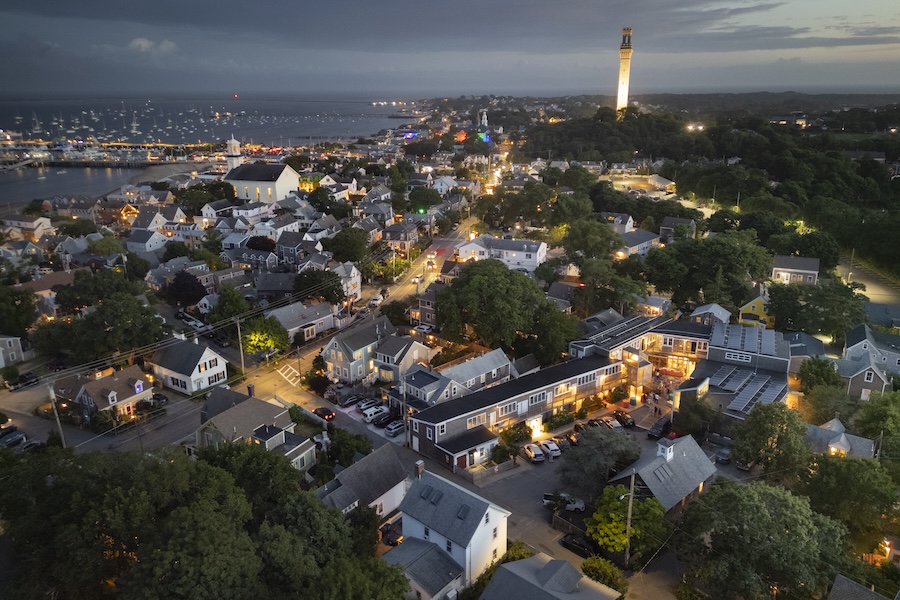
403	48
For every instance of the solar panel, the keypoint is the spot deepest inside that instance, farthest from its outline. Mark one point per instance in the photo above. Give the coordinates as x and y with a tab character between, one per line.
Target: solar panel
768	342
718	336
772	393
721	375
737	380
748	393
734	339
751	340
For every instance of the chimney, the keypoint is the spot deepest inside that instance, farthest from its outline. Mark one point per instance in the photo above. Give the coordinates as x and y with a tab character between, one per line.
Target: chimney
420	468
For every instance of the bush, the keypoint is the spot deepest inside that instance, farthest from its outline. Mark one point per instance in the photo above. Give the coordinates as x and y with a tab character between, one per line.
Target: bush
101	422
502	453
3	418
618	395
9	373
685	592
516	434
558	420
582	412
603	571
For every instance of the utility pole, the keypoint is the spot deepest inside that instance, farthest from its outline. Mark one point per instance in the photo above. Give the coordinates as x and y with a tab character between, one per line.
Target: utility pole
62	436
628	523
240	342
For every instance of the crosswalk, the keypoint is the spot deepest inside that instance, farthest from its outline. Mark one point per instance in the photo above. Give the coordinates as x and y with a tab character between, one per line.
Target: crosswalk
290	374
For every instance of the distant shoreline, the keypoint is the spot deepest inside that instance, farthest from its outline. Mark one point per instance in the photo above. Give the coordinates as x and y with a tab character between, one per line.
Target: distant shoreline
157	172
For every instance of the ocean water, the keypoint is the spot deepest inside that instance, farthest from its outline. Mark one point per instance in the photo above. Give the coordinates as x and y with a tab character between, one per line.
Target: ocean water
24	185
273	122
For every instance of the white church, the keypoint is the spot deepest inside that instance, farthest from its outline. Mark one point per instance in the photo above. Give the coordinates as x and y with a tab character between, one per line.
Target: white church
258	182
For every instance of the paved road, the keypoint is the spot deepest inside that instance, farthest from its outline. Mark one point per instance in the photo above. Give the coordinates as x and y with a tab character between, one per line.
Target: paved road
878	288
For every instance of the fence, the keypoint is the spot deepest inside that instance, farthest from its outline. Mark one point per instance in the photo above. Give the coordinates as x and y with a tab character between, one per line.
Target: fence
481	474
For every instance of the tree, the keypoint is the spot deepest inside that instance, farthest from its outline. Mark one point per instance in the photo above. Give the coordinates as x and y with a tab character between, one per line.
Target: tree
264	333
345	446
695	417
857	492
816	372
230	305
571	209
600	453
773	437
136	268
18	309
212	241
750	540
823	403
314	284
608	525
175	250
515	551
552	331
87	289
105	246
261	243
350	244
879	419
395	311
830	308
603	571
76	228
590	239
423	198
185	289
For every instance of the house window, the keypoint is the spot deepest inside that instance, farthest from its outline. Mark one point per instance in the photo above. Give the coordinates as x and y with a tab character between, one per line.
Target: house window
739	356
428	432
427	533
302	462
537	398
667	341
9	343
416	426
527	255
202	367
494	374
217	377
12	357
449	546
442	429
495	533
213	362
487	518
870	376
475	421
494	554
508	409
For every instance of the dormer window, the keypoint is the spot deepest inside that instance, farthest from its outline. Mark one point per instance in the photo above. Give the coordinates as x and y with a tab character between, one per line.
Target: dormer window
112	398
138	387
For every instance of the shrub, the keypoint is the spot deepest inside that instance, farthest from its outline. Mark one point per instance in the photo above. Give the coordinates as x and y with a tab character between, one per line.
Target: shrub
603	571
516	434
582	412
500	453
9	373
101	422
3	418
618	395
558	420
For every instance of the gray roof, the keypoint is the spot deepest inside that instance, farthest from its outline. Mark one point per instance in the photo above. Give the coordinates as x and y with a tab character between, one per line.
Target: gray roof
276	282
219	400
256	172
526	364
713	309
850	367
360	336
795	263
832	434
240	421
488	397
672	222
366	480
424	563
141	236
298	314
670	482
886	315
803	344
847	589
463	372
445	507
637	237
180	356
543	578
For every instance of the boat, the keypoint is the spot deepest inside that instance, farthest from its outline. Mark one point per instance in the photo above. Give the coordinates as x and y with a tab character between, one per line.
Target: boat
61	172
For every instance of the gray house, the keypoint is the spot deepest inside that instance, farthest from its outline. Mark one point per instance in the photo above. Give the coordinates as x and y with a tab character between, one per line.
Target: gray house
543	578
350	356
378	480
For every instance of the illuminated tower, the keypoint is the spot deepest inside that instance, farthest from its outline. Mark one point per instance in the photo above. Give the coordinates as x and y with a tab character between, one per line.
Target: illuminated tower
625	51
233	156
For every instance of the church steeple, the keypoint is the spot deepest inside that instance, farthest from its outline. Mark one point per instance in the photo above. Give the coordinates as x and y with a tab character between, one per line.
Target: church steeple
233	156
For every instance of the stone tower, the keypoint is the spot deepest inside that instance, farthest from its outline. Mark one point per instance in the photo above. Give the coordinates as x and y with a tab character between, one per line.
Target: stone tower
625	51
233	156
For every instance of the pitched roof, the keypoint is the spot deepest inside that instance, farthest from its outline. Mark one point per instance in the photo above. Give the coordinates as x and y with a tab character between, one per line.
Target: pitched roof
360	336
673	222
219	400
256	172
671	481
832	434
847	589
425	563
470	369
445	507
490	396
795	263
543	578
123	383
638	236
713	309
298	313
240	421
180	356
365	480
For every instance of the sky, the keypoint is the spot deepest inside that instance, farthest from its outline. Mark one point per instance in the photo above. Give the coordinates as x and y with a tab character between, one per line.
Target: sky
399	48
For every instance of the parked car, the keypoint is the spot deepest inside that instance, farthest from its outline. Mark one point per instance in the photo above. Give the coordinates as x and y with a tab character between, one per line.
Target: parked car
723	456
579	427
611	423
533	453
394	428
386	419
562	441
32	446
593	423
160	398
572	437
221	341
391	534
13	440
385	292
424	329
550	448
566	501
370	414
364	405
624	418
363	313
416	278
183	316
8	429
660	429
349	400
743	466
580	545
24	380
376	300
324	413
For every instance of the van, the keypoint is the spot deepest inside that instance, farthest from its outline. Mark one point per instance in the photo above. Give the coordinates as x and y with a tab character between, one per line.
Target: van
376	300
370	413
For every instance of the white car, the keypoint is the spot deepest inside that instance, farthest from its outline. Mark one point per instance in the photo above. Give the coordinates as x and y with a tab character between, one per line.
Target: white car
533	453
550	448
416	278
431	255
370	413
425	329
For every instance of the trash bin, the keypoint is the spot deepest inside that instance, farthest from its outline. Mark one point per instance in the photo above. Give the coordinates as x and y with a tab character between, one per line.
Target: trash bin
634	401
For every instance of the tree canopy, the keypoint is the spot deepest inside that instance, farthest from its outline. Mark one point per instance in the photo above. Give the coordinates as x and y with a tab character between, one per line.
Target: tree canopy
315	284
879	419
185	289
831	307
750	540
817	371
18	309
87	289
233	524
350	244
773	437
264	333
599	454
649	528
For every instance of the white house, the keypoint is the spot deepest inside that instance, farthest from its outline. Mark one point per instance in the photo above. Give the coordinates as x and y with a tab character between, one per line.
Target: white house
351	280
263	182
443	185
145	240
470	529
188	367
310	320
378	480
521	255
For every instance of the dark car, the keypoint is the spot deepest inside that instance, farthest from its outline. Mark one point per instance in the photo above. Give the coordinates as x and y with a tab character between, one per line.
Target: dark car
624	418
385	292
723	456
563	442
391	534
386	419
579	427
572	437
593	423
13	440
579	545
660	429
221	341
349	400
324	413
160	398
24	380
8	430
32	446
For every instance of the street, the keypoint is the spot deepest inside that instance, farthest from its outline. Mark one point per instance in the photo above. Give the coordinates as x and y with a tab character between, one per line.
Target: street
878	289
